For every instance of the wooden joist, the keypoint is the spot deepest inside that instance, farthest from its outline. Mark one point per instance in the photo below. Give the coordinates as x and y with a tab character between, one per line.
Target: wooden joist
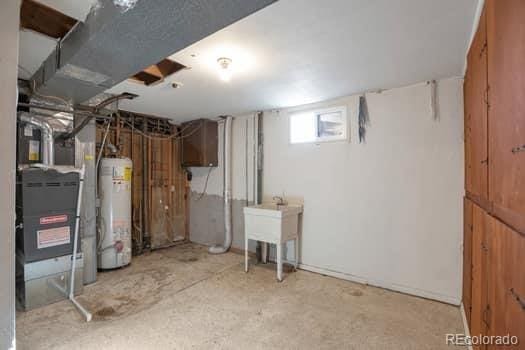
46	20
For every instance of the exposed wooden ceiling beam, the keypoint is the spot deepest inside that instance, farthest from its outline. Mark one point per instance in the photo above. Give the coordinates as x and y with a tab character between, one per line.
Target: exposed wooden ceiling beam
157	72
44	19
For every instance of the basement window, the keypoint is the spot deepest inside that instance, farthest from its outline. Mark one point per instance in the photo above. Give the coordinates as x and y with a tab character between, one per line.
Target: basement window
322	125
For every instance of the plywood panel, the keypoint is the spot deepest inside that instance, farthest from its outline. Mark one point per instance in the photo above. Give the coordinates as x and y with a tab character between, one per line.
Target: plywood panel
506	78
476	117
44	19
479	268
506	283
467	258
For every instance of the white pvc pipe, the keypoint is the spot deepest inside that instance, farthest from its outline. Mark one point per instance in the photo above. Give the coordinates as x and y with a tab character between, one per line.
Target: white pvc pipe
86	314
218	249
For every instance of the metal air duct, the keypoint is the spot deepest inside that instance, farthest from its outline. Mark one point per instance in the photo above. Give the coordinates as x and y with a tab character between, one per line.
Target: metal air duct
116	42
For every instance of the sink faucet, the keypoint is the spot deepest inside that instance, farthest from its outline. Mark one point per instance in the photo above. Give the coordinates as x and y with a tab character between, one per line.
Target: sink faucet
280	200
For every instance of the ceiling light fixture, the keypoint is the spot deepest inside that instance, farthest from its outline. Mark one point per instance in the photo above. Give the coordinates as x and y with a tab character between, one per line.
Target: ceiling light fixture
225	70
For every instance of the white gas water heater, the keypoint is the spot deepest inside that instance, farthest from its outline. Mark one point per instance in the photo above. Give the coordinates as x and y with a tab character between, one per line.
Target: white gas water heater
114	244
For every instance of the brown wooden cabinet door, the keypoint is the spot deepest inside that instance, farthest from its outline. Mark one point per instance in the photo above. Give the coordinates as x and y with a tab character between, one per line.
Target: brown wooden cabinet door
506	79
467	102
200	143
467	258
479	275
506	283
475	95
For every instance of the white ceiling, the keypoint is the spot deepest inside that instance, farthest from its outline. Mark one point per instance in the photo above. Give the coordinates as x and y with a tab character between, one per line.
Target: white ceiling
302	51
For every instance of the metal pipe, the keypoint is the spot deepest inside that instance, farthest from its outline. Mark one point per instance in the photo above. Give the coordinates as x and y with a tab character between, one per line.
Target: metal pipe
145	223
56	109
218	249
258	135
246	176
48	151
96	109
102	146
86	314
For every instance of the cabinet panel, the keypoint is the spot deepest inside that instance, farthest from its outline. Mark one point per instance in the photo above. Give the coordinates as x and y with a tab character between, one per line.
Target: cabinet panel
476	143
506	78
200	140
467	258
506	277
479	275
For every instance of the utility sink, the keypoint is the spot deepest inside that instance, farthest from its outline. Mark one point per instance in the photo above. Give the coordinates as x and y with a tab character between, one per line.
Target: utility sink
275	224
273	210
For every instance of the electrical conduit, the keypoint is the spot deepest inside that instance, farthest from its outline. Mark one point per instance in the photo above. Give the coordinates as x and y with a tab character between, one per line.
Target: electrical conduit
80	308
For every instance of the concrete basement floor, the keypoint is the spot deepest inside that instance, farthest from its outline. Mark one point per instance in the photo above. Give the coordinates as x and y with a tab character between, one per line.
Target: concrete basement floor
181	298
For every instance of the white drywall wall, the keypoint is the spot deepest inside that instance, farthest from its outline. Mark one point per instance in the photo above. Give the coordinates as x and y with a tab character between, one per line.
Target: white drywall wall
389	211
9	23
242	158
386	212
207	211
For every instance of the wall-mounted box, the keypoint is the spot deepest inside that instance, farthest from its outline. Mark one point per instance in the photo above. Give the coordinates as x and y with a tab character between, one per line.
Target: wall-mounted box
200	140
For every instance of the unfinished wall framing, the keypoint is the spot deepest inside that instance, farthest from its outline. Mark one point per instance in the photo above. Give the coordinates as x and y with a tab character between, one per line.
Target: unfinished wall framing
160	187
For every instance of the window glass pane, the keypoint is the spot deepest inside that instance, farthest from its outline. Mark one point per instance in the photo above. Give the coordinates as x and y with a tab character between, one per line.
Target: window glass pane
331	124
303	127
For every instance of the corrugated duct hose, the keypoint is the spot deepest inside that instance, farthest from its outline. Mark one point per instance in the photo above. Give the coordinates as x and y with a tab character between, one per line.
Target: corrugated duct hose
218	249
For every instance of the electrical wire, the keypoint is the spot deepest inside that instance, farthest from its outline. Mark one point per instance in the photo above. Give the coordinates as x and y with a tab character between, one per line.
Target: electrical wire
205	186
177	135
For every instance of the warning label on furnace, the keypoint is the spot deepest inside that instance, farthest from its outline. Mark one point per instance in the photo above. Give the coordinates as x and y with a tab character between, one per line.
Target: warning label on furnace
53	237
34	150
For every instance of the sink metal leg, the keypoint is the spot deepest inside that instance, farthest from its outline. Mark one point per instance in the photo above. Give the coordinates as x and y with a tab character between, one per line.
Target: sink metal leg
264	252
246	255
296	246
279	262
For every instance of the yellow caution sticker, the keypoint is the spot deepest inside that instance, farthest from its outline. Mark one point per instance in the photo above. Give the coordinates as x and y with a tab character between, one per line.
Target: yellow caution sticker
127	174
34	150
88	157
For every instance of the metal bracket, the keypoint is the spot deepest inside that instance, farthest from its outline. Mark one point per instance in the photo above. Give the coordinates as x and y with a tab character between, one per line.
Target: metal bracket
518	298
518	149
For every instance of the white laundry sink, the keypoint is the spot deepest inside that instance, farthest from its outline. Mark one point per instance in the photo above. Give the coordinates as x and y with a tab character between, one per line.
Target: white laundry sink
273	210
275	224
